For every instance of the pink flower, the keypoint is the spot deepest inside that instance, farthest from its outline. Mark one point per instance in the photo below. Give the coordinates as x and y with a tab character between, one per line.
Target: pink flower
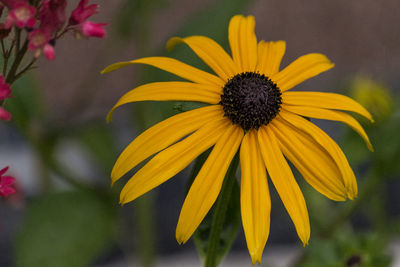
22	15
82	12
52	15
39	40
5	90
79	18
5	183
91	29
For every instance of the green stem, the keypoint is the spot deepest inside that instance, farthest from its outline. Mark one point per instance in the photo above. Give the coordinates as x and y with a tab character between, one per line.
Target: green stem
220	213
145	221
11	76
25	69
5	56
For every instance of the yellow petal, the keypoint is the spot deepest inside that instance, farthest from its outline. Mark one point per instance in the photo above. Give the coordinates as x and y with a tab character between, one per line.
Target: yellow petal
334	115
211	53
173	66
234	39
162	135
255	201
243	42
303	68
311	159
166	91
324	100
172	160
284	182
330	146
207	184
270	55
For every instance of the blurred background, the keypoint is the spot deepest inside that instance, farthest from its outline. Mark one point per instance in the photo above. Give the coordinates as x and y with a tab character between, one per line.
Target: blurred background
61	151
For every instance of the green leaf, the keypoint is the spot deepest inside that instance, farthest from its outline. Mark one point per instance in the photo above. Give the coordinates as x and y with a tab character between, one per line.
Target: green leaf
65	229
27	104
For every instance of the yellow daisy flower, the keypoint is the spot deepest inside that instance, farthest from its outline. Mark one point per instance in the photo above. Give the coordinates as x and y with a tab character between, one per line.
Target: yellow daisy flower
251	107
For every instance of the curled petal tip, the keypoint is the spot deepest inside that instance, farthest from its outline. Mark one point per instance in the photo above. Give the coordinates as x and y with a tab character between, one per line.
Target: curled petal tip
109	116
172	42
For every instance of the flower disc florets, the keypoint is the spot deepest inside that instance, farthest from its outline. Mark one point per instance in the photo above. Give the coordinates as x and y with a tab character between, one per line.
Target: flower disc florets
251	99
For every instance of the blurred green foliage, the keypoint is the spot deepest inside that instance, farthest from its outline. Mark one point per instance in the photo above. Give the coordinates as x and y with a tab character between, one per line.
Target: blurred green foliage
65	229
27	104
347	249
74	228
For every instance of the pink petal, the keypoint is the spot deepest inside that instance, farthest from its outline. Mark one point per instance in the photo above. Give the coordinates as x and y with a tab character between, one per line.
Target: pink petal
82	12
6	191
91	29
4	115
38	39
22	15
3	171
7	180
49	52
5	90
52	15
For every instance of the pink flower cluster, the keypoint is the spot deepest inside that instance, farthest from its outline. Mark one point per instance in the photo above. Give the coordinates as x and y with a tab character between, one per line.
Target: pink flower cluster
46	25
6	183
5	92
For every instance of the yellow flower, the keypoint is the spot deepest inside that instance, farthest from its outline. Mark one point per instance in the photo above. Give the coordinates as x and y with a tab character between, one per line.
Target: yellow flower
251	107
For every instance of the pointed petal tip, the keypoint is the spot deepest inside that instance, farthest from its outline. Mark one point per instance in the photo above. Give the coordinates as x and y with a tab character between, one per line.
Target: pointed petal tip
256	257
180	239
305	241
351	195
370	147
124	199
106	70
116	66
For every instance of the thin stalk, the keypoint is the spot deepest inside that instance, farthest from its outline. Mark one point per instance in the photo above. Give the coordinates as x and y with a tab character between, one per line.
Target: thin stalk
25	69
220	213
5	56
11	76
145	221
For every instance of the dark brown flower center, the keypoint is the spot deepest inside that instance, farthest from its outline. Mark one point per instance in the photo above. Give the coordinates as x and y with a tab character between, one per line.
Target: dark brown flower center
251	99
